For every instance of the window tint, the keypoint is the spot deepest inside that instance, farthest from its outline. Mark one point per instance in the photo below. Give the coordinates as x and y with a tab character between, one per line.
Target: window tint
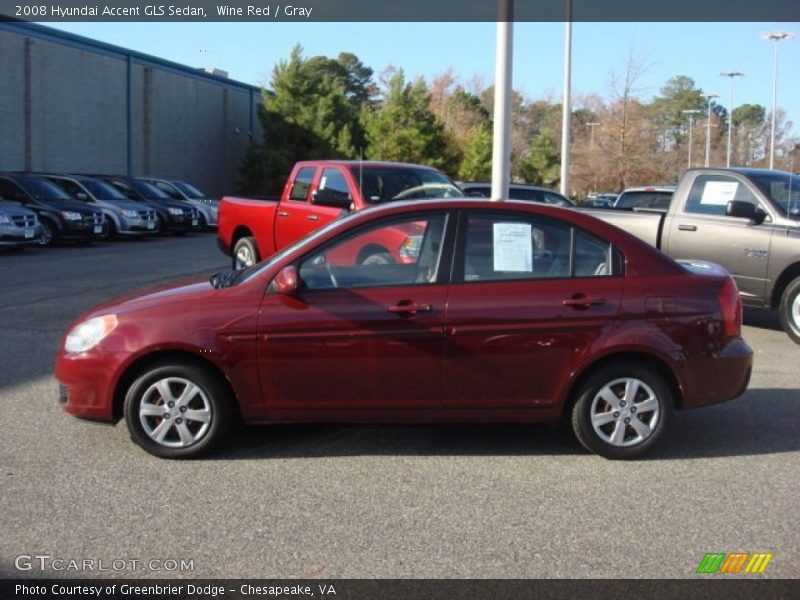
473	191
518	193
710	194
10	191
333	181
125	189
399	252
72	188
644	199
556	199
168	189
510	247
301	183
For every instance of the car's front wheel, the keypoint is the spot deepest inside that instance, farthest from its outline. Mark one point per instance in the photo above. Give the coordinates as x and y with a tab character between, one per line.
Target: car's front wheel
177	410
622	410
790	310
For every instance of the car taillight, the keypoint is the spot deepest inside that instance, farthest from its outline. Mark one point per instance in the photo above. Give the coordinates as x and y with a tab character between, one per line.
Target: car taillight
731	305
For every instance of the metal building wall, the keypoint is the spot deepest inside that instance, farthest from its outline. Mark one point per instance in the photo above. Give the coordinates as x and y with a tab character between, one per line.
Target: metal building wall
65	107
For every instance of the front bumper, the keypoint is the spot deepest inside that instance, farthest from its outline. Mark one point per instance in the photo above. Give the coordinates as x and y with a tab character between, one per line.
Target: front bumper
136	227
13	236
86	383
80	230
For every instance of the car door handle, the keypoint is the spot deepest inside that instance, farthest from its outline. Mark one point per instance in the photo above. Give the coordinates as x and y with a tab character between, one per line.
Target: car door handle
313	217
687	227
283	213
582	301
409	308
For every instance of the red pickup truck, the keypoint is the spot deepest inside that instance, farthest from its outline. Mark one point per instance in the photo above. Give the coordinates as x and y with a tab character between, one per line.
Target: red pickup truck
318	192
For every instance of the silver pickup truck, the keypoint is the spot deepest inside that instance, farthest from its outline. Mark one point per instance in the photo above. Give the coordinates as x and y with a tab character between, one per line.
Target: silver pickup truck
747	220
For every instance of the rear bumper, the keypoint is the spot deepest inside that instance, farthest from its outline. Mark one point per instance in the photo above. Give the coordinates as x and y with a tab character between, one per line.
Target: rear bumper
718	376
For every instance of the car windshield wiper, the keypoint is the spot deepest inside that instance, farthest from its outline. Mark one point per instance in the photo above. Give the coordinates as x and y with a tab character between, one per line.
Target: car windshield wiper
224	279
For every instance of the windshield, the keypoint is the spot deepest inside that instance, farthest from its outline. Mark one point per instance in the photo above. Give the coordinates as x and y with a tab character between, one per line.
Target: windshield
102	191
383	184
783	189
189	190
43	190
147	190
646	199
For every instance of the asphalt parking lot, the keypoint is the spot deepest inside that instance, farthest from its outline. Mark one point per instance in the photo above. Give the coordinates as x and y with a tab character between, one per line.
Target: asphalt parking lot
513	501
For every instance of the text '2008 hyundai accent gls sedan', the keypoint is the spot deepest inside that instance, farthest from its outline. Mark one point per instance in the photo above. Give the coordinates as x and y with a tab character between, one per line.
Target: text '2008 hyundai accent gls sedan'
486	312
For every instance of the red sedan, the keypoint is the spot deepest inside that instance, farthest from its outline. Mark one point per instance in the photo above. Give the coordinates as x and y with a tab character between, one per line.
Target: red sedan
497	312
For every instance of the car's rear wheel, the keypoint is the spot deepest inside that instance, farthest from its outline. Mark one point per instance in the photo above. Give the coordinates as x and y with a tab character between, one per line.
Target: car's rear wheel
177	410
790	310
245	253
622	410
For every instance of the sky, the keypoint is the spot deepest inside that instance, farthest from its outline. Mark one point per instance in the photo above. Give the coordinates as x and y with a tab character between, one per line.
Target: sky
248	51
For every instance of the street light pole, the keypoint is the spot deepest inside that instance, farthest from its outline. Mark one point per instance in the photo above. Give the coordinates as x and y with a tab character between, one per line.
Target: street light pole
708	97
730	75
501	142
567	103
591	136
775	36
691	114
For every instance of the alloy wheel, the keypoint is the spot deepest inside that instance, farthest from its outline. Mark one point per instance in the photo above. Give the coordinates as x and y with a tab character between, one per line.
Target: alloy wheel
175	412
625	412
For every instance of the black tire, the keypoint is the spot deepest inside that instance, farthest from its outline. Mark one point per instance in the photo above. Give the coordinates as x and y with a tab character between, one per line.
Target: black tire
245	253
614	376
212	398
49	233
110	232
790	310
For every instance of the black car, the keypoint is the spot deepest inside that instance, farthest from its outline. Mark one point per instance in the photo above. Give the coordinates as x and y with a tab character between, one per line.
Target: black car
174	215
62	218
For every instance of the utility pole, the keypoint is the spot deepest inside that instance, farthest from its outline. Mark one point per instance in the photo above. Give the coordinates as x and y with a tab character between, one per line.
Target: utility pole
775	36
708	97
567	102
501	141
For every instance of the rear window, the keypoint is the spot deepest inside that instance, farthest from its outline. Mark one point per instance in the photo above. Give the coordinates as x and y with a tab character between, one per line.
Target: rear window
645	199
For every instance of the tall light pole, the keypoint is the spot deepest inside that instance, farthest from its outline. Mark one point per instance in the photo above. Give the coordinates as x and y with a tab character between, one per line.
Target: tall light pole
775	36
708	98
691	114
591	136
501	139
567	102
730	75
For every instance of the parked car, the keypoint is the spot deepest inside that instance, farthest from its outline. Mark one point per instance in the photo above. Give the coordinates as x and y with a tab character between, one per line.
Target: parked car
652	196
61	217
175	216
604	200
316	193
747	220
516	191
512	311
124	217
207	207
19	226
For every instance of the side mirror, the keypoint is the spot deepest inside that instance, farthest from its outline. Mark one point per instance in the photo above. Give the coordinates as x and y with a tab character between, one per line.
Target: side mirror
286	281
332	199
745	210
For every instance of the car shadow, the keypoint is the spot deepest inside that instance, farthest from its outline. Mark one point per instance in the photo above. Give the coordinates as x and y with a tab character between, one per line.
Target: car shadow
763	421
762	318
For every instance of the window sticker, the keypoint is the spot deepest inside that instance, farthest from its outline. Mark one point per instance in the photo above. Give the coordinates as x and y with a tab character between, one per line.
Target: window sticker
513	247
719	192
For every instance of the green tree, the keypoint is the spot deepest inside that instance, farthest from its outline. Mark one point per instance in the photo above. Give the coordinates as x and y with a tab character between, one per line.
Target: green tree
541	164
476	160
403	128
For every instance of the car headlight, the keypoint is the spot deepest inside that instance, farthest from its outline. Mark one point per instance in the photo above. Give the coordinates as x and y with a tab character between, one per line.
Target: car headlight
4	220
176	211
88	334
131	214
71	216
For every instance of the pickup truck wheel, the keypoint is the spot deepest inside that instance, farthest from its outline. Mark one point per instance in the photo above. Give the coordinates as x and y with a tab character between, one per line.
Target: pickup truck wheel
377	258
245	253
790	310
177	410
622	410
48	233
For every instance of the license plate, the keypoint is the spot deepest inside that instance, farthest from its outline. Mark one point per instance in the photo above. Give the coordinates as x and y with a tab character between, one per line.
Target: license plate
194	222
151	225
98	229
28	234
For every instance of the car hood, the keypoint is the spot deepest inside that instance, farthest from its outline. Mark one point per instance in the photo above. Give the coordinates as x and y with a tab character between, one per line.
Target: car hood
125	205
183	290
13	209
78	207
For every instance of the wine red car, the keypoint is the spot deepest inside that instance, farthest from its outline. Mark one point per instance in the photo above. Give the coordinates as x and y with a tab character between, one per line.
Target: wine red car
486	311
